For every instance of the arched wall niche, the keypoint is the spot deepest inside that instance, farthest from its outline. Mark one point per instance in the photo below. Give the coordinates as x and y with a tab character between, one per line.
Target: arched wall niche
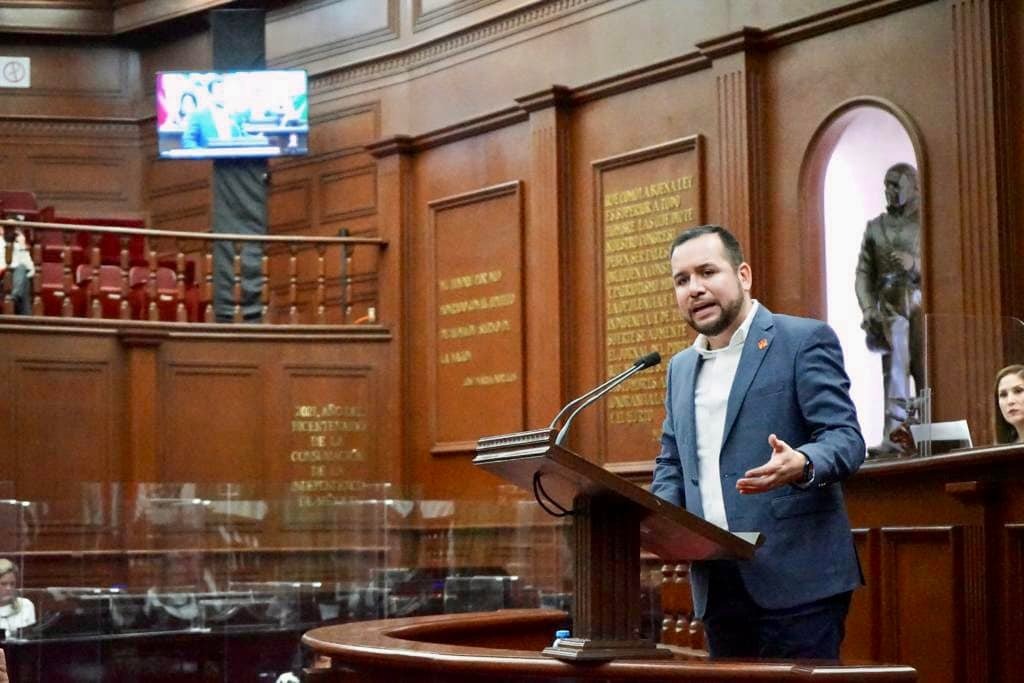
841	189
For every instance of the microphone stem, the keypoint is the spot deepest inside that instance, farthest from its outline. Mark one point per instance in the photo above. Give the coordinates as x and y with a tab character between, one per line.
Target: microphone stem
596	391
593	396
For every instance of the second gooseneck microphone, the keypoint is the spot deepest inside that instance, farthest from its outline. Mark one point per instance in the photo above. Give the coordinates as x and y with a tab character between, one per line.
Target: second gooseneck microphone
578	404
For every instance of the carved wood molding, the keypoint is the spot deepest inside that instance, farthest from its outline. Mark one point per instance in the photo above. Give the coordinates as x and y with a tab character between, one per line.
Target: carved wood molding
63	127
390	31
979	145
126	329
637	78
740	151
470	128
748	40
509	23
833	20
457	8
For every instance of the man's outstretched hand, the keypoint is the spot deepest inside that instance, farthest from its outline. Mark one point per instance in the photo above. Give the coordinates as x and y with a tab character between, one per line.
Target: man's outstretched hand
785	466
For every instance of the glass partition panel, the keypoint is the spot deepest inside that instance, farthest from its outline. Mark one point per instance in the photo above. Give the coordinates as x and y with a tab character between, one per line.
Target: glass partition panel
958	406
218	581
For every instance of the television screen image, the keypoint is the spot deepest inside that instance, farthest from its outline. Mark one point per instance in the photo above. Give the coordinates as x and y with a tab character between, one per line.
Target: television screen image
231	114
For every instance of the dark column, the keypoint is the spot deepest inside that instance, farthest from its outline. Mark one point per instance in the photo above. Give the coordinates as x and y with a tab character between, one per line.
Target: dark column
239	185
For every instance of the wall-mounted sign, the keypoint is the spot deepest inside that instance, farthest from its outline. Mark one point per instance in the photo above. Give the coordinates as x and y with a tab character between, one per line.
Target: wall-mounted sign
15	72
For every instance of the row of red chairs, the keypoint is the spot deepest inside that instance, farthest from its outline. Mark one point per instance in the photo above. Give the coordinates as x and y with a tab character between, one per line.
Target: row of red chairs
101	293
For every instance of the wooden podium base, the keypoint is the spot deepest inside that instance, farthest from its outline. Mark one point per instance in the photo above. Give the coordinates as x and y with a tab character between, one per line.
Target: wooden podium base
586	650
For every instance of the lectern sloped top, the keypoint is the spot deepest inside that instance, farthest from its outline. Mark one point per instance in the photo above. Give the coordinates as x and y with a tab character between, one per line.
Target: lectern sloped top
666	530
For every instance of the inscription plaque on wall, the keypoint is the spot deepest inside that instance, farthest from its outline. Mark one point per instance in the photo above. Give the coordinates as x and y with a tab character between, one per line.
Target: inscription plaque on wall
478	356
328	460
645	198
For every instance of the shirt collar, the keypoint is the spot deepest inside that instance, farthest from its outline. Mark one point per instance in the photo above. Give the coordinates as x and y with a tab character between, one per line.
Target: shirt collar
738	337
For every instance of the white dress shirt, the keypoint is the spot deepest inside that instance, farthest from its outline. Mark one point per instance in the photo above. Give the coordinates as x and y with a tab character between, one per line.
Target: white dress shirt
710	399
17	615
21	255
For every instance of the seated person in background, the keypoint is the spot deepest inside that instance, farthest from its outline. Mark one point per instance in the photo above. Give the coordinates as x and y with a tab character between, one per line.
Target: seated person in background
212	122
16	612
22	270
1009	413
187	106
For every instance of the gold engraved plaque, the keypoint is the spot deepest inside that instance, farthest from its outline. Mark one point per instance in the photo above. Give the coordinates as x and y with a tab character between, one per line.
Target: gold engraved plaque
644	199
478	358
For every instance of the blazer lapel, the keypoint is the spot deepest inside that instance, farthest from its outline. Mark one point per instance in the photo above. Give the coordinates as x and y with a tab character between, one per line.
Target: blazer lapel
688	377
755	348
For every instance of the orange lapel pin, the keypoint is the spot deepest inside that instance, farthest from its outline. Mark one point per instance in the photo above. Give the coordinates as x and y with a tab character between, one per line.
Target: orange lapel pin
762	344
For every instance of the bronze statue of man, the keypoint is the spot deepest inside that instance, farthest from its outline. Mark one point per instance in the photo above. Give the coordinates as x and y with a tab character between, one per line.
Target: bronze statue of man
889	291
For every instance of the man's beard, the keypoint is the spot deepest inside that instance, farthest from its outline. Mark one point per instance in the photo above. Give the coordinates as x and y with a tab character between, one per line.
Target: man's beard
730	311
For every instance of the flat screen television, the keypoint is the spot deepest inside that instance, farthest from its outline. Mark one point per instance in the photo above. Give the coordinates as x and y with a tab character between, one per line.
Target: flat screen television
231	114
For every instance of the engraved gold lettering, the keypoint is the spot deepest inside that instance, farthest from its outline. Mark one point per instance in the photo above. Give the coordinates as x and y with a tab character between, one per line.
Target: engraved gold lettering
490	380
328	426
487	277
316	456
640	313
479	304
325	486
473	329
451	357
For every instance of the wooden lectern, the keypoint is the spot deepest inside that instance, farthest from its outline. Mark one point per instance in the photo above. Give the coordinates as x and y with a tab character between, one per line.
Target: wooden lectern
613	520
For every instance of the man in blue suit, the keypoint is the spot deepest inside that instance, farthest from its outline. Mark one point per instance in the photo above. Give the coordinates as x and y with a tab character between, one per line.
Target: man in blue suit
760	432
212	122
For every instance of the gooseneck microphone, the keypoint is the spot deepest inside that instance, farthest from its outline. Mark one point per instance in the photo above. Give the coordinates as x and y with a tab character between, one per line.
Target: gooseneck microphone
573	407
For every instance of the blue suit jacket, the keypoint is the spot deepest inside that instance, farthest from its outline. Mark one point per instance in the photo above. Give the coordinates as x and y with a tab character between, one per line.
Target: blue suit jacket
790	381
200	129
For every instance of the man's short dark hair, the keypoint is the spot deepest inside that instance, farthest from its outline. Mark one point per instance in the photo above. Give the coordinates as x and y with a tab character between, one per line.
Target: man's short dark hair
733	251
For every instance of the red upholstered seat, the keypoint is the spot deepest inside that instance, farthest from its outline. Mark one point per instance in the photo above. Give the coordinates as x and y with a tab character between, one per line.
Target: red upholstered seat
166	298
110	245
53	291
22	205
106	292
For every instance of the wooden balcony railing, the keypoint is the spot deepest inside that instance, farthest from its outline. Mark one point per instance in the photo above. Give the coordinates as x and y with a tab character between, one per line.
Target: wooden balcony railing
89	271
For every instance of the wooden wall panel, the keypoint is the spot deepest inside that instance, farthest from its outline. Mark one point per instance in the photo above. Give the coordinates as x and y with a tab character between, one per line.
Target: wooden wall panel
476	345
345	130
62	424
643	199
330	452
166	178
67	445
211	422
863	636
289	207
348	194
457	175
908	594
78	168
602	130
66	178
77	80
939	541
1013	602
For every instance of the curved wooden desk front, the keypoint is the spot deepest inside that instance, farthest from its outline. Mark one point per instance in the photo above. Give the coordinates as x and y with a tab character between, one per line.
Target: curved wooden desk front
506	645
